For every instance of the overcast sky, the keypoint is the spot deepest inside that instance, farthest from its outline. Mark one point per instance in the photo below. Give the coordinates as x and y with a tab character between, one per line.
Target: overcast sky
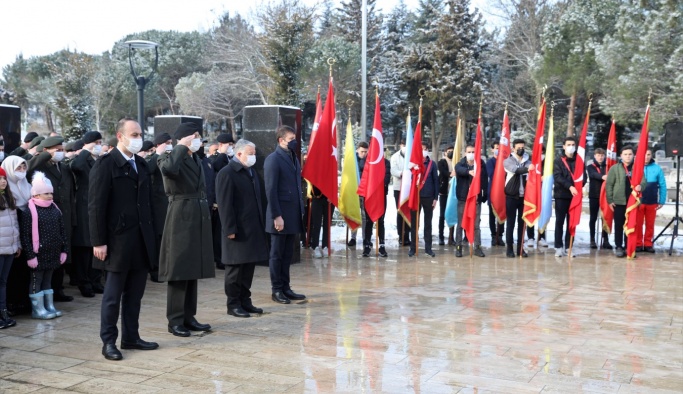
41	27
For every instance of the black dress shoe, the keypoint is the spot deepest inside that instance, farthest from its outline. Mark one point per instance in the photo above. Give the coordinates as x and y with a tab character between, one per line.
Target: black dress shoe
620	252
279	297
139	345
442	241
98	288
352	242
220	266
406	243
293	296
430	253
458	251
194	325
59	296
252	309
500	241
478	252
640	249
154	277
411	253
594	245
86	292
649	249
607	246
510	254
110	352
523	254
238	312
179	331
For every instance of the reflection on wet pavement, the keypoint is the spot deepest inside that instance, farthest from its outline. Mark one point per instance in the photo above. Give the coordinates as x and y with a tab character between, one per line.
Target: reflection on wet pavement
432	325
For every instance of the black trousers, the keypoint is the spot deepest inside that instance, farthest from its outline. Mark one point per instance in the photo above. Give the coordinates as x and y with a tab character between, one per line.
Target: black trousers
594	204
497	229
238	278
123	293
281	253
401	227
562	215
83	273
443	200
181	301
40	280
531	233
619	221
216	235
58	278
367	229
319	207
426	205
514	207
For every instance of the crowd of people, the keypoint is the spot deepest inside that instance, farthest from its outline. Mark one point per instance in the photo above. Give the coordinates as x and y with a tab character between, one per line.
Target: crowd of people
113	213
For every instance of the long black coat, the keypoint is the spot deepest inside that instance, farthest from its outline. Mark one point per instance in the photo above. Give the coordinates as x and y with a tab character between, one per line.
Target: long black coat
159	198
242	213
120	214
63	183
220	161
186	245
50	233
81	166
283	192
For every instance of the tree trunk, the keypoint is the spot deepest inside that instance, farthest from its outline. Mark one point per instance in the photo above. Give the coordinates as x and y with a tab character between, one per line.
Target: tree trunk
435	146
570	118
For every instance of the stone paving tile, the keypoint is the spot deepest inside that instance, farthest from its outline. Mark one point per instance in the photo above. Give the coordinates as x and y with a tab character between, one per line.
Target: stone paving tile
106	386
50	378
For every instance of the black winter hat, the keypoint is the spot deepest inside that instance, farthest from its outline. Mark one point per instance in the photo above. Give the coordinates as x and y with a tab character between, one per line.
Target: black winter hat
91	136
161	138
147	145
78	145
186	129
30	136
225	138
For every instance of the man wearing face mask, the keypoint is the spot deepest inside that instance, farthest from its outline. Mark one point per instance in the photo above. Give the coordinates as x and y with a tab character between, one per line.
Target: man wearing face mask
284	215
617	190
243	219
49	162
429	197
186	245
465	170
652	199
361	154
87	279
497	229
34	148
210	181
163	144
517	166
597	174
445	168
225	151
145	150
563	191
397	163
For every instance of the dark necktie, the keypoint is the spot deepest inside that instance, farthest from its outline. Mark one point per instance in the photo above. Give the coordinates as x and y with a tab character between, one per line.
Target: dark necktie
132	164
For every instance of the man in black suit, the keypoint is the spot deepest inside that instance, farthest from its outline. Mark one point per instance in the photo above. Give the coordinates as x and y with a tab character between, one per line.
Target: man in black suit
87	279
122	233
284	216
244	233
163	143
225	151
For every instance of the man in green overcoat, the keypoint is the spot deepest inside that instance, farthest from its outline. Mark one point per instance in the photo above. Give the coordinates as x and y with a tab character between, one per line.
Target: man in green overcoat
186	245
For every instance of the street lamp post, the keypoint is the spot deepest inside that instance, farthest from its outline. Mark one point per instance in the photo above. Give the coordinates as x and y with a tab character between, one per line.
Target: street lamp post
140	80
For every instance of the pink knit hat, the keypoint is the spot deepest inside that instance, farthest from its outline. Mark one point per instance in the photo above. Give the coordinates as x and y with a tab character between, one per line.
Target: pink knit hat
40	184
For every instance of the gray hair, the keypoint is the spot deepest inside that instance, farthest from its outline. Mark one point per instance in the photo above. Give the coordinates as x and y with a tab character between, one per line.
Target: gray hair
242	144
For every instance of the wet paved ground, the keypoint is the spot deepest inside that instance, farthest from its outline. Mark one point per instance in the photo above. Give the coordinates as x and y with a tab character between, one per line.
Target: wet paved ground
429	325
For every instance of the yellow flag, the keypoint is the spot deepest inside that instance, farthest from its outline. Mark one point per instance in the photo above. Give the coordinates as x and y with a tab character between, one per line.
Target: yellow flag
349	204
459	140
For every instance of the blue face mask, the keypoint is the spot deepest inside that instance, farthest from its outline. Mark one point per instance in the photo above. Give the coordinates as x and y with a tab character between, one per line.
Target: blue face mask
292	145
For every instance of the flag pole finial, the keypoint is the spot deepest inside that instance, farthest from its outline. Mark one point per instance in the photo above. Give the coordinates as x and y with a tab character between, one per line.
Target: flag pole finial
481	103
330	62
376	87
590	97
420	93
552	108
506	106
649	97
349	103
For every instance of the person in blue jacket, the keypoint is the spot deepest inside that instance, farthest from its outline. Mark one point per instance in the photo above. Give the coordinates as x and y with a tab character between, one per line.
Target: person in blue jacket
653	198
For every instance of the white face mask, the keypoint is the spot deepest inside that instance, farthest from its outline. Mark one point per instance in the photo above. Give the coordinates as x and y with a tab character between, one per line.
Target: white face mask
20	175
251	160
403	150
542	157
570	150
495	152
470	156
169	147
134	145
59	156
2	155
425	153
229	151
97	150
195	144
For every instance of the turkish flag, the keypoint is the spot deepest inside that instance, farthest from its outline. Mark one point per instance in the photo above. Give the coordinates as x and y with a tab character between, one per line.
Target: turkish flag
611	159
498	180
321	166
579	167
372	181
417	167
532	191
636	177
316	120
469	215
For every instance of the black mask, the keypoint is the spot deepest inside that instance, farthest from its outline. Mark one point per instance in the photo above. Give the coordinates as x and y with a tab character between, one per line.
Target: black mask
200	152
292	145
520	152
449	155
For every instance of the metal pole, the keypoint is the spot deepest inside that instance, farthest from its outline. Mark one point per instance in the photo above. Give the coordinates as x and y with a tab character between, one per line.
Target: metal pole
364	70
141	82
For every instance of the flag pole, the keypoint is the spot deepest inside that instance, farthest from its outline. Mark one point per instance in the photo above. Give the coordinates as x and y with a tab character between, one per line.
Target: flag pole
522	244
571	245
308	227
417	184
471	241
377	238
329	229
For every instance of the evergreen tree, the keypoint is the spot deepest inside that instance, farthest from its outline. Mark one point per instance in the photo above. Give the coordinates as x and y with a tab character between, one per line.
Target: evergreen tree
71	74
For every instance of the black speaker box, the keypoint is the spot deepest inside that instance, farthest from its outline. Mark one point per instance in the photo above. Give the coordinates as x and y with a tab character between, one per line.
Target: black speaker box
259	125
10	126
169	123
673	139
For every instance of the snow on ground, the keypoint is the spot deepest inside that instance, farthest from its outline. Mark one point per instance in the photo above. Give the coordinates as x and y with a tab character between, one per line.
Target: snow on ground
581	243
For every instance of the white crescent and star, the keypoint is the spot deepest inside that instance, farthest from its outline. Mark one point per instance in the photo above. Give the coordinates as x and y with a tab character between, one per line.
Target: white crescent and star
377	135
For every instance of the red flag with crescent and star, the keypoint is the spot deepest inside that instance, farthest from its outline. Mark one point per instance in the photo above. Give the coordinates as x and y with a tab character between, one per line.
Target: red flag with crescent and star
321	167
610	160
532	191
372	181
498	180
417	168
469	215
636	177
578	176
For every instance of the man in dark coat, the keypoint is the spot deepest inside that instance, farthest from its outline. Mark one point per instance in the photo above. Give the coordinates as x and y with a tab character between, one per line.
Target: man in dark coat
464	170
122	232
368	225
225	151
429	197
49	163
186	246
22	149
284	216
445	167
244	233
563	192
86	278
597	172
163	143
